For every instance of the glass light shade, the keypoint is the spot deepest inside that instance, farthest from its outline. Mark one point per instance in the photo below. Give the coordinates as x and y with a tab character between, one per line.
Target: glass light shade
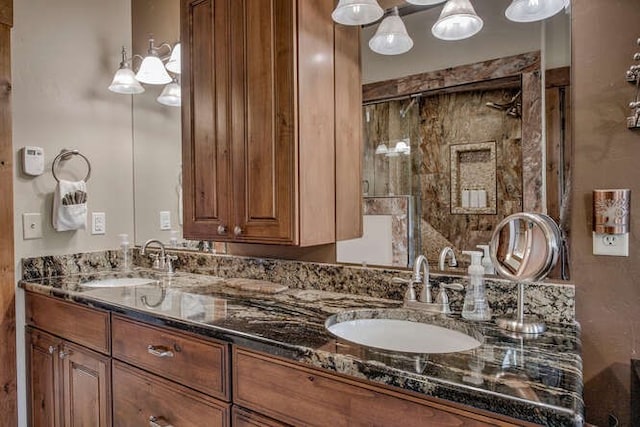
391	38
425	2
174	62
357	12
458	20
382	149
403	147
124	82
533	10
152	72
171	95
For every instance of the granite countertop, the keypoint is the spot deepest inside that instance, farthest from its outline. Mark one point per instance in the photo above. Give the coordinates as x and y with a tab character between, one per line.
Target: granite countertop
536	380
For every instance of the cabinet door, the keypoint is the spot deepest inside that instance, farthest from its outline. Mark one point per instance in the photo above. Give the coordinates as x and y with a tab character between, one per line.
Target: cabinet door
42	379
86	387
263	109
206	119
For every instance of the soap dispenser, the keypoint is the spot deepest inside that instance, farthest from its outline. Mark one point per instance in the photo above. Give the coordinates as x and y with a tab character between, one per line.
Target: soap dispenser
125	252
475	300
486	260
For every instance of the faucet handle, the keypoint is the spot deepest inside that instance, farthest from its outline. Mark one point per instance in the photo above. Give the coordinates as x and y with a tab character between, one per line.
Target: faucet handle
169	263
410	294
156	261
443	298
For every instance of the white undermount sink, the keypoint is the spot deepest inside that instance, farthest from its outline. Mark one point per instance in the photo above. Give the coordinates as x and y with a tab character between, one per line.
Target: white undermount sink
118	282
401	335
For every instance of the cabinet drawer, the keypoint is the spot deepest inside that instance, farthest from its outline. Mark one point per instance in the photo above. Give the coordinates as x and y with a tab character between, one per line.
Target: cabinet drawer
85	326
138	396
241	417
194	362
303	396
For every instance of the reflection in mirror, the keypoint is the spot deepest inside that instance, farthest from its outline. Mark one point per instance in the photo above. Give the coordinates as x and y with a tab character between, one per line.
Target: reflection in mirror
156	128
437	121
471	116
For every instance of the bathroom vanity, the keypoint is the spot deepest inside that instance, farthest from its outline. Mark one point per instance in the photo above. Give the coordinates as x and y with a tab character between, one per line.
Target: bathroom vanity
179	350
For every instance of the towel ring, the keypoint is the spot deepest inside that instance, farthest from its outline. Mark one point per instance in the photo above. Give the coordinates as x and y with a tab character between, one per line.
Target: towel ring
65	155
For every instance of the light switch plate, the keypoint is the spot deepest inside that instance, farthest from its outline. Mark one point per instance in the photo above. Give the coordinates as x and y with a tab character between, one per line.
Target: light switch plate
98	223
31	226
611	244
165	220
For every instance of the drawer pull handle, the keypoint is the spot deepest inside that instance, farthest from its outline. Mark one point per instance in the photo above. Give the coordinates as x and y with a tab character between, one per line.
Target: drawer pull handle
159	351
52	349
158	422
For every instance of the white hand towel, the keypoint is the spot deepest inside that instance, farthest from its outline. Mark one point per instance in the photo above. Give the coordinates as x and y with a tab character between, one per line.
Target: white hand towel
70	206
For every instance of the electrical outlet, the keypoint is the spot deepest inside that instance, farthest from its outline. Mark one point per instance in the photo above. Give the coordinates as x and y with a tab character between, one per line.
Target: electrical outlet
98	223
611	244
31	226
165	220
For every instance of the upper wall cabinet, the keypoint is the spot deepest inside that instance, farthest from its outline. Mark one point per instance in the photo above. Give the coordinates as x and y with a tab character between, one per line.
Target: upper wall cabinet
271	122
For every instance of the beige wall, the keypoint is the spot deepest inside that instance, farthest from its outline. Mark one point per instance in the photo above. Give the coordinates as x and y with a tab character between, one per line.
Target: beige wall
606	155
156	128
64	56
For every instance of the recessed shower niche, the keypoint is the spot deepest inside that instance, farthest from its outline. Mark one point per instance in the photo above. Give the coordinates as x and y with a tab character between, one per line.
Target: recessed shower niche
473	178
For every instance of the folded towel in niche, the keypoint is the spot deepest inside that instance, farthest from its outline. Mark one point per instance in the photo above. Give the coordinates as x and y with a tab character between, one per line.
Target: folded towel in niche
70	206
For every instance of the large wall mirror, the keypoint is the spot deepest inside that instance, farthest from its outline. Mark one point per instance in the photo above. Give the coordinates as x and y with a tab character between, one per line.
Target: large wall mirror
458	135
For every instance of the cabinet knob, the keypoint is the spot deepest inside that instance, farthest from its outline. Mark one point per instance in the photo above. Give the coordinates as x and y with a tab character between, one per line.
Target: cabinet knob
52	349
237	230
159	351
63	354
158	422
222	229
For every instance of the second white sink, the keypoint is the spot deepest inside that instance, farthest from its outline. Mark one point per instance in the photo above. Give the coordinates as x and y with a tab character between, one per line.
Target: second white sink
118	282
403	335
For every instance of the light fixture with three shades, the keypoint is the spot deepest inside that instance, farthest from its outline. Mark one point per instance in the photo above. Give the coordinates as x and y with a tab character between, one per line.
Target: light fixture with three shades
458	20
152	71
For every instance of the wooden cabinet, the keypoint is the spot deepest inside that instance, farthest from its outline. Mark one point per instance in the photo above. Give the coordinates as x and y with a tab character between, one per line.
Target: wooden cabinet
140	398
260	128
198	363
70	382
298	395
82	325
43	382
186	382
241	417
69	385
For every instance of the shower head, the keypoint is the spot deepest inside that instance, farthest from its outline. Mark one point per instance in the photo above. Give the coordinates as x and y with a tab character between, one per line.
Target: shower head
512	108
403	111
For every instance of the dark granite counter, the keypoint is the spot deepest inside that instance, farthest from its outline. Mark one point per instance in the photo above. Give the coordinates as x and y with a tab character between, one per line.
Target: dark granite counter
537	380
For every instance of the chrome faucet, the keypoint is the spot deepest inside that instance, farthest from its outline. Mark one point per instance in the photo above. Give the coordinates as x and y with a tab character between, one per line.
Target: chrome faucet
443	257
422	263
425	301
164	262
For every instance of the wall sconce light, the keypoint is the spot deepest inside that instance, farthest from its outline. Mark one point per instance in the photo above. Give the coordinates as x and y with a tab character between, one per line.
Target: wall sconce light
152	69
534	10
124	81
391	37
357	12
401	147
458	20
171	94
174	63
382	149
